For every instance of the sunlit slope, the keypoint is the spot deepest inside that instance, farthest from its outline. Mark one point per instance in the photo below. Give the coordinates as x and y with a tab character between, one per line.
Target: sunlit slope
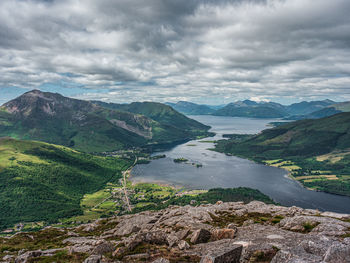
41	181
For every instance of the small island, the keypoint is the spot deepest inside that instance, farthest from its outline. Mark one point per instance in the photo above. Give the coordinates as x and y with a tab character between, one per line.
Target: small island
180	160
156	157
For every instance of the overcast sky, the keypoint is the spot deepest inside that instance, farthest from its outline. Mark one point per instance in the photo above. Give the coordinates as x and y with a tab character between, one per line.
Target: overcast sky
206	51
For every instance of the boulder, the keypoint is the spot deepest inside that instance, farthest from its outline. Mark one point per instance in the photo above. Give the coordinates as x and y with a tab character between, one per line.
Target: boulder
102	248
284	256
183	245
338	253
172	240
182	234
230	254
93	259
133	224
200	236
157	237
331	229
224	233
89	227
25	257
8	258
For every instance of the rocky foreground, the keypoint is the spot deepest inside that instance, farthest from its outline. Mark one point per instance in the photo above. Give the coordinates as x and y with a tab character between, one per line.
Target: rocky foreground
224	232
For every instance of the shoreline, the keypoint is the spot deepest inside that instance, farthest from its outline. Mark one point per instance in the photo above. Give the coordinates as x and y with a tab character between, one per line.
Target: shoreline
288	175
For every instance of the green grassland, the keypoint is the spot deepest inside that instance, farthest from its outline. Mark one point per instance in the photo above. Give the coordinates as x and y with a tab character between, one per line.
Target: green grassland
148	196
44	182
303	148
155	197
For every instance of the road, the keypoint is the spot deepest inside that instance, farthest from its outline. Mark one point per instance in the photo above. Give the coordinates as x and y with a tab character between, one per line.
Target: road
125	173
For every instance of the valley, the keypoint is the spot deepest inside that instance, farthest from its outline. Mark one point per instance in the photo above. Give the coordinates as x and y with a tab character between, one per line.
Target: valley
227	170
155	157
315	152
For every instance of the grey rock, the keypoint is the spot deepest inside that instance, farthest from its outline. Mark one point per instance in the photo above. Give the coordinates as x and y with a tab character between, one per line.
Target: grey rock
226	254
324	243
200	236
338	253
347	241
8	258
172	240
232	226
161	260
183	245
248	222
103	247
80	249
225	233
157	237
297	223
318	247
93	259
330	229
132	224
23	258
283	256
336	215
182	234
81	244
89	227
80	241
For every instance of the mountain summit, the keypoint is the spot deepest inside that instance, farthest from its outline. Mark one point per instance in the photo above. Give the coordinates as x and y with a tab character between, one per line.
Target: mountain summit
38	102
86	126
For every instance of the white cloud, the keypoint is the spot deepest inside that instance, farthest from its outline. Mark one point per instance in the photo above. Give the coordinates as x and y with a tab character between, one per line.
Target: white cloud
199	50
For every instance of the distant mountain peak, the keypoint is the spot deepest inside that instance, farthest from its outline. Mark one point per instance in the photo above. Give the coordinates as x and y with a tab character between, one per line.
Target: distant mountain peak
36	101
41	94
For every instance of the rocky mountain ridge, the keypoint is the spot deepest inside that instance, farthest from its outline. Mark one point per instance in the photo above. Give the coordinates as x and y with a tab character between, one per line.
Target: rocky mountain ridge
224	232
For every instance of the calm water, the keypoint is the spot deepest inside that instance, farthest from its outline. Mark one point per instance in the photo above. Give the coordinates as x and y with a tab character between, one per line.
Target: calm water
224	171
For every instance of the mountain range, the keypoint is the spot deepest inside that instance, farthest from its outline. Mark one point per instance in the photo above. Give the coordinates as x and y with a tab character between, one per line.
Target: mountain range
248	108
324	112
191	108
90	127
253	109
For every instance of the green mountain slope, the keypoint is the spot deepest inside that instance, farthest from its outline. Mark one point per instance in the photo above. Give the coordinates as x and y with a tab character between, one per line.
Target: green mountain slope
169	118
307	107
190	108
324	112
252	109
343	106
85	126
316	146
41	181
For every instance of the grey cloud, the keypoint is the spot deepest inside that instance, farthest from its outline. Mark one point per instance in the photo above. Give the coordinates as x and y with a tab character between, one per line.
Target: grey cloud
195	50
